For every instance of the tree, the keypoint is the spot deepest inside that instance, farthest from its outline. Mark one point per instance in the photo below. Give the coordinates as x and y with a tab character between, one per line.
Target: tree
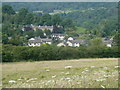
4	38
7	9
96	32
107	27
29	19
29	34
46	19
39	33
116	39
67	23
7	56
58	29
22	14
69	53
56	19
96	47
96	42
48	32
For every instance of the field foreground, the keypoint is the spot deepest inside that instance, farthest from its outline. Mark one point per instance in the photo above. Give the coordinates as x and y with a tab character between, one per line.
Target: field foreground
82	73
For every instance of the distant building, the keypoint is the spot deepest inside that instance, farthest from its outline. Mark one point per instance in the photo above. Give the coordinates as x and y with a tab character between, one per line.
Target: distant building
38	41
62	44
70	38
32	27
45	27
107	41
56	12
38	12
9	38
27	28
58	36
72	42
75	43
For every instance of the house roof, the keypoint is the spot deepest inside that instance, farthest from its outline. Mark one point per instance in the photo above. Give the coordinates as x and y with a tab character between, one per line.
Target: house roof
35	41
38	27
46	40
107	40
27	28
58	34
44	27
39	40
82	41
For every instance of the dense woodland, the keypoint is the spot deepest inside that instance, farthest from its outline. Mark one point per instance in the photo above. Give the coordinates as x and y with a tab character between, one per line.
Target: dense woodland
100	21
51	6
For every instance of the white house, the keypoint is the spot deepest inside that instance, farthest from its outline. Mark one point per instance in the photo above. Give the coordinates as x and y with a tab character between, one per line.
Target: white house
58	36
109	45
75	43
38	41
61	44
107	41
45	27
69	43
32	27
70	38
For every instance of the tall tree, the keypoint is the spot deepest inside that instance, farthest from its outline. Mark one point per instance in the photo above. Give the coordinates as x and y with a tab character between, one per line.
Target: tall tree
56	19
67	23
7	9
22	14
46	19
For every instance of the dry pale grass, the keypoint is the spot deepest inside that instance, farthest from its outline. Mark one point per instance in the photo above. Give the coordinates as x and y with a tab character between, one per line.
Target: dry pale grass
26	70
25	66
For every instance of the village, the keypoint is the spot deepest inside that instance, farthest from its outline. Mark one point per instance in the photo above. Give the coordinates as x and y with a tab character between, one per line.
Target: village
58	38
59	45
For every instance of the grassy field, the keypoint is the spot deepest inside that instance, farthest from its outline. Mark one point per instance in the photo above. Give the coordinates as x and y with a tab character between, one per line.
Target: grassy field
82	73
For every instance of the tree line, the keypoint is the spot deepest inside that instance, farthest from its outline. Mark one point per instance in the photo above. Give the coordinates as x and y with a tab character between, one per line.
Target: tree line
95	49
50	6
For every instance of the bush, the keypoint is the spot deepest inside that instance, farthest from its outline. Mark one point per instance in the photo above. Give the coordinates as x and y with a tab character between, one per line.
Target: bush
51	52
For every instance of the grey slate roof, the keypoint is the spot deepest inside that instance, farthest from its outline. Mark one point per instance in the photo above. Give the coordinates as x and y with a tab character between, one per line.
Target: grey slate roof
46	40
39	40
44	27
107	40
81	41
58	34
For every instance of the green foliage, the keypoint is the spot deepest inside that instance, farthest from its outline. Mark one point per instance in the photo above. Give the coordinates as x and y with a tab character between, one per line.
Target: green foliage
48	32
7	9
39	33
116	39
49	7
52	52
4	38
69	53
56	19
22	15
46	19
107	27
80	30
96	42
7	56
67	23
96	47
